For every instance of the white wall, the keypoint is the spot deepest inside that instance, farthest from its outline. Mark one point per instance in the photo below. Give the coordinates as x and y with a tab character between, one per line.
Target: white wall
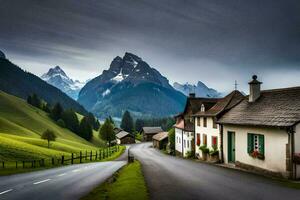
178	139
209	131
297	147
275	147
181	138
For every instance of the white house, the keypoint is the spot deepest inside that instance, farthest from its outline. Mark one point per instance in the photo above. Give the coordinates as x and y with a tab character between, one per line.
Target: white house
184	127
207	131
262	132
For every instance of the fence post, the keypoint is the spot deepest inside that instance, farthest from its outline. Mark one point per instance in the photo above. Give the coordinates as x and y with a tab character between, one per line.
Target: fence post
100	154
96	155
85	155
91	155
72	158
3	164
62	159
52	161
80	157
23	164
16	164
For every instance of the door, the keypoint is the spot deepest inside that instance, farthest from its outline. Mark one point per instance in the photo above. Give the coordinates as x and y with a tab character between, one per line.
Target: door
231	147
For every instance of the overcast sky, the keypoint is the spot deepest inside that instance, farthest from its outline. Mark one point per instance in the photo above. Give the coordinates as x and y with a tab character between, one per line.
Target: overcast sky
215	41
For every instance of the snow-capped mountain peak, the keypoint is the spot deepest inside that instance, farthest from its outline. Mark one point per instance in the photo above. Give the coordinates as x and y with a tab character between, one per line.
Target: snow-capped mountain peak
58	78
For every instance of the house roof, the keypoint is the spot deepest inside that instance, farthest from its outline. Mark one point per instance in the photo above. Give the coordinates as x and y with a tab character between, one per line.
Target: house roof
278	107
122	134
193	104
222	104
151	130
184	125
117	130
160	136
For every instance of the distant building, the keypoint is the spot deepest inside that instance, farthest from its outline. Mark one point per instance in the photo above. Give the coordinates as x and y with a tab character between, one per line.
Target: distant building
124	137
160	140
148	132
262	132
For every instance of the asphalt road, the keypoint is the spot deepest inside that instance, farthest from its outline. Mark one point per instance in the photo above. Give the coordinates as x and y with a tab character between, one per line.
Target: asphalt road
170	177
63	183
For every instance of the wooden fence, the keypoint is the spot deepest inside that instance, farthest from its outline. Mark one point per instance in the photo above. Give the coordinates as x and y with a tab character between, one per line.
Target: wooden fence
74	158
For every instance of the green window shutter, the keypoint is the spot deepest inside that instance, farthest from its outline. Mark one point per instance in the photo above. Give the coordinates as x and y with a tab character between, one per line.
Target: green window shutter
250	143
262	144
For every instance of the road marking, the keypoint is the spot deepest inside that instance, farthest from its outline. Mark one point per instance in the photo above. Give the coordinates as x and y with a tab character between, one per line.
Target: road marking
6	191
61	175
43	181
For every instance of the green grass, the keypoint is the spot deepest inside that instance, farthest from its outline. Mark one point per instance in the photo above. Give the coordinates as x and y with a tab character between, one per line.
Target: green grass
21	126
127	184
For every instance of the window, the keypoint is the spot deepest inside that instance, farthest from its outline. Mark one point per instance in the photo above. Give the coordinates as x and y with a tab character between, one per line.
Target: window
204	139
256	144
204	121
179	139
214	122
198	121
202	108
184	143
214	141
198	139
188	143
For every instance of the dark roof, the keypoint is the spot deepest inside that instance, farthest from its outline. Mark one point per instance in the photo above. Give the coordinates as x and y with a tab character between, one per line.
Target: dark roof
117	130
185	125
122	134
279	107
160	136
151	130
193	104
223	104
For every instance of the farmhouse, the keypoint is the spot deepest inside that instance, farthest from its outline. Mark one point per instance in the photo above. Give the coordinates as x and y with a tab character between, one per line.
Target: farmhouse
124	137
185	127
206	129
148	132
262	132
160	140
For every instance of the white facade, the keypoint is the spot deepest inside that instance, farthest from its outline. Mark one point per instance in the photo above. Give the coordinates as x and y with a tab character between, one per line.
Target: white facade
275	141
183	141
297	147
118	141
210	130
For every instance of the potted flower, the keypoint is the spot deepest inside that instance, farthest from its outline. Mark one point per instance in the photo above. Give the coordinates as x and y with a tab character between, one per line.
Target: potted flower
257	154
205	152
214	154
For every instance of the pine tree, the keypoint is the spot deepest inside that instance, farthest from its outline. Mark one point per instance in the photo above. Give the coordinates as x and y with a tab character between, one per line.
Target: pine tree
172	140
97	125
127	122
139	124
85	129
56	112
107	131
29	101
111	120
71	120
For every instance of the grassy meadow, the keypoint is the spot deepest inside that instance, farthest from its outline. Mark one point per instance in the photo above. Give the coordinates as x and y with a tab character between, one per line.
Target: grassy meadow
21	126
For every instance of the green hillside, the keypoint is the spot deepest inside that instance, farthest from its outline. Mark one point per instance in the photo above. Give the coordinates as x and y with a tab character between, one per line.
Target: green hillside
21	126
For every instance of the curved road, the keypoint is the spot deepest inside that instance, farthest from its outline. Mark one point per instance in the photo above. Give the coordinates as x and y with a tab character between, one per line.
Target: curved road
63	183
170	177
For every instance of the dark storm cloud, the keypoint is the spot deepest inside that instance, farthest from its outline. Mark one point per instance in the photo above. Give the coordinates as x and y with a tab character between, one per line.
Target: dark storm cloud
231	37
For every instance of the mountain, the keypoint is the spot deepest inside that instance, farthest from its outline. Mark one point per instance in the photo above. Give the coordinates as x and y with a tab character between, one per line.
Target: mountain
15	81
131	84
201	90
58	78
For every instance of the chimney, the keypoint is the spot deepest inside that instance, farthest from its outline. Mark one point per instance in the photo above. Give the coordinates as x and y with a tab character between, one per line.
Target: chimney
192	95
254	89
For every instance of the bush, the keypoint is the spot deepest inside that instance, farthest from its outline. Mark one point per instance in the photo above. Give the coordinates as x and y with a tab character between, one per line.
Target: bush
214	152
189	154
61	123
204	149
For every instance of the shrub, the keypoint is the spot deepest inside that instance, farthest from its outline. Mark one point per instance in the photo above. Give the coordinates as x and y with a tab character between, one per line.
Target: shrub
204	149
61	123
189	154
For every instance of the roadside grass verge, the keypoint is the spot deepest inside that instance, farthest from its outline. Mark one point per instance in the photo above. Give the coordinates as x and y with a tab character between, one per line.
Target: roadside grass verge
127	184
10	168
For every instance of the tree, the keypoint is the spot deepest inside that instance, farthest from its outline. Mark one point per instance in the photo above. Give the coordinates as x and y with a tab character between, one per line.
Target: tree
127	122
49	136
111	120
85	129
107	131
36	101
71	120
139	124
57	111
29	100
172	140
46	107
97	125
61	123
